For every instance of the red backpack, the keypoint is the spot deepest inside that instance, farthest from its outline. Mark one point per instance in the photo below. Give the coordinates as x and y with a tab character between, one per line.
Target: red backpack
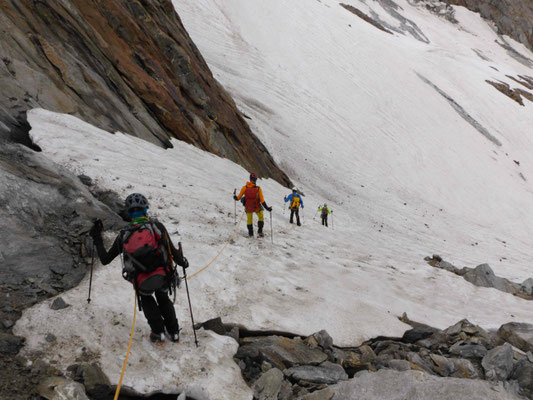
251	196
144	248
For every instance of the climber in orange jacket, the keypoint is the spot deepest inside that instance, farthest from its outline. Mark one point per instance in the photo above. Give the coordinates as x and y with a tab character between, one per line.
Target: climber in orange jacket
253	203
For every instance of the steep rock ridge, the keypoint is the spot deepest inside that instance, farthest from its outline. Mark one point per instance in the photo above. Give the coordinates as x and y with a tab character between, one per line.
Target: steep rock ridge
513	18
128	66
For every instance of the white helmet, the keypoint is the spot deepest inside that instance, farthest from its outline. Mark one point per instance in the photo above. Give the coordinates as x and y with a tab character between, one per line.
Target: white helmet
294	189
325	205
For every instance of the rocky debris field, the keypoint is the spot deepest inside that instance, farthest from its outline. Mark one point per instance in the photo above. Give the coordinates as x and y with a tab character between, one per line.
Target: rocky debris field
484	276
462	360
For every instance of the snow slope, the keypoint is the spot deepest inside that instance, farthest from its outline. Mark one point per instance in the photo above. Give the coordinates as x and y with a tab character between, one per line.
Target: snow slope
345	112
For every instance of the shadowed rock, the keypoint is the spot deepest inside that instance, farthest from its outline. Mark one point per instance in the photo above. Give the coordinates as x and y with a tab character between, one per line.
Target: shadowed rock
281	352
498	363
268	385
326	372
518	334
416	385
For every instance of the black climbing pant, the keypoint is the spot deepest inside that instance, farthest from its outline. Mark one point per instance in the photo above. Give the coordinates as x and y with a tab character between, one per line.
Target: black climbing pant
293	213
160	313
325	220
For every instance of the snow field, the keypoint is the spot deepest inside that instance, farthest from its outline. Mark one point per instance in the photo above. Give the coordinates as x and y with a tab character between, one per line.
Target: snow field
343	106
310	279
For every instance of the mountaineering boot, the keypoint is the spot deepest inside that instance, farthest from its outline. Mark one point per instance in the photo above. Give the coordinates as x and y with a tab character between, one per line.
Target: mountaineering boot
250	230
158	338
260	225
175	337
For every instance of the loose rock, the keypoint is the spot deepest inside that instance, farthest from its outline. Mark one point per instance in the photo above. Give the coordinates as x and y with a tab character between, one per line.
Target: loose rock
519	335
268	386
523	374
498	363
327	372
10	344
281	352
58	388
415	385
58	304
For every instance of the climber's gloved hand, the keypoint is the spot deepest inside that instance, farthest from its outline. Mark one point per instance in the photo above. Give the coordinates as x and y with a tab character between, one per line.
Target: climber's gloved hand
96	231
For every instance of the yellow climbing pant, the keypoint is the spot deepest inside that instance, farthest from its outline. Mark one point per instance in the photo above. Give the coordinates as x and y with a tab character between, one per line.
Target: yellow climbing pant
250	217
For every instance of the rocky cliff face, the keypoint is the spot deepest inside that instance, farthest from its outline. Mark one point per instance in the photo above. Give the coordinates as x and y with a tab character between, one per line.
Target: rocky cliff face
512	17
128	66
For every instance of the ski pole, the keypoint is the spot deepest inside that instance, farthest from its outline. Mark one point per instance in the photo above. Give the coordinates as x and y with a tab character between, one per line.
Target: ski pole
271	230
235	208
188	297
91	276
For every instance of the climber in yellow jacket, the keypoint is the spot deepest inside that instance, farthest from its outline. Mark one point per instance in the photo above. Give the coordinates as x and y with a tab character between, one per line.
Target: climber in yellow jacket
253	203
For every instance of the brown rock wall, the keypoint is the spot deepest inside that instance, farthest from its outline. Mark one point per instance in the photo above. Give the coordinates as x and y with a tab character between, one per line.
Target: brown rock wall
121	65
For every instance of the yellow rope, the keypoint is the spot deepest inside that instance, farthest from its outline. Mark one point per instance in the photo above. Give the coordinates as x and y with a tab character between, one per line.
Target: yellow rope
220	252
129	348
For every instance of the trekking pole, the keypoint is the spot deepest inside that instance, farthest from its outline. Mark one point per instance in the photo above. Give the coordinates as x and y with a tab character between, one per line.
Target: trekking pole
235	208
271	230
188	297
332	221
91	276
98	223
315	215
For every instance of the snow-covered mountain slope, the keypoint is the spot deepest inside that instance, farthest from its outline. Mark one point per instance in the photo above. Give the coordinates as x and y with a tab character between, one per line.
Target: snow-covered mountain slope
353	115
343	105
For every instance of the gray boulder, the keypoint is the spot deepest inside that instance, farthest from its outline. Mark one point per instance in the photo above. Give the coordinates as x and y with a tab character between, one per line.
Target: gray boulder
58	388
443	366
467	350
327	373
518	334
58	304
523	374
415	385
10	344
324	394
420	363
93	378
418	333
400	365
526	287
463	368
484	276
453	367
498	363
268	386
323	339
281	352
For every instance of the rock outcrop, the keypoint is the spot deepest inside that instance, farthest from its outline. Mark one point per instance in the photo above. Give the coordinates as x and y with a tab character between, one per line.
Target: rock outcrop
462	361
129	66
484	276
512	18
